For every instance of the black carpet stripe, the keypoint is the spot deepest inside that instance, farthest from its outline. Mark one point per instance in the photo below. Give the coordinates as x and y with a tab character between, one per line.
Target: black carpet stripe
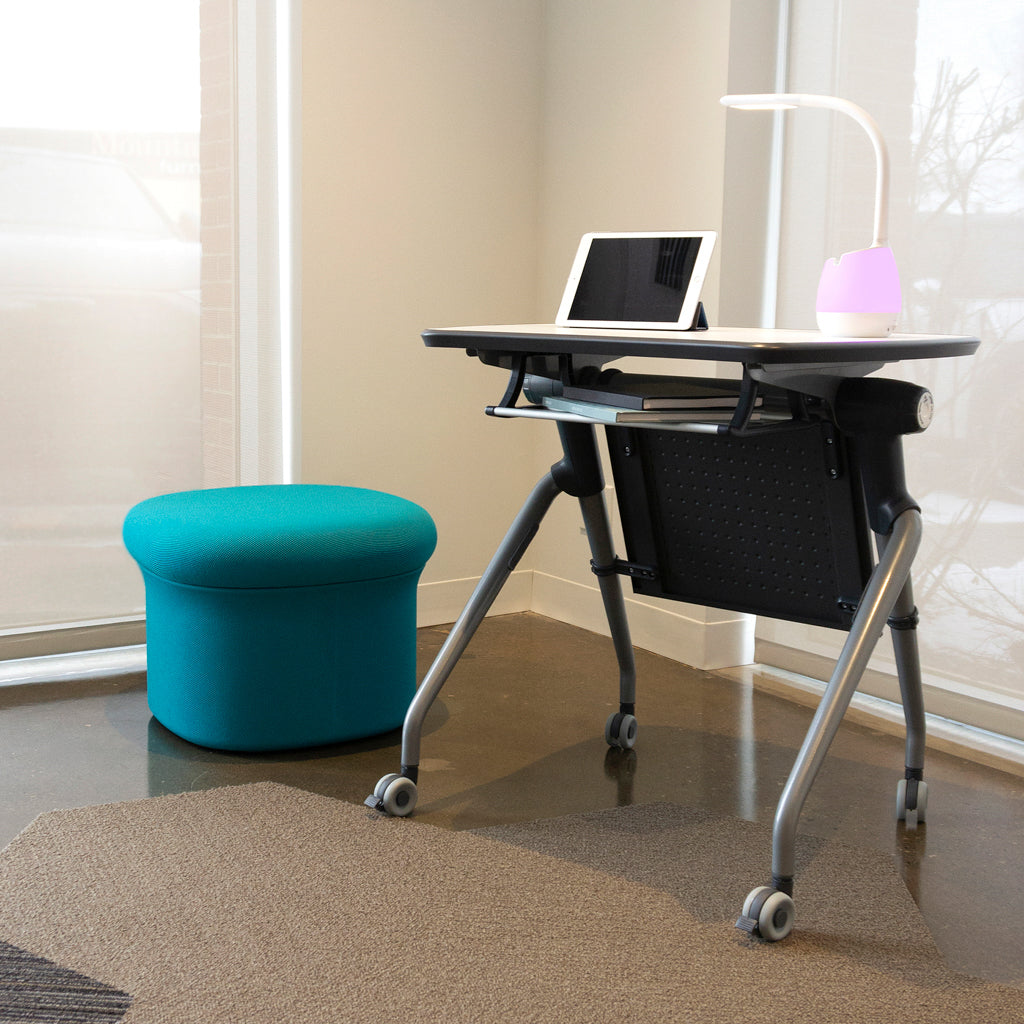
36	990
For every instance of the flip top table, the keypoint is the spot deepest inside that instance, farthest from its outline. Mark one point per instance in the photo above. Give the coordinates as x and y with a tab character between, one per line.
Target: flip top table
768	505
733	344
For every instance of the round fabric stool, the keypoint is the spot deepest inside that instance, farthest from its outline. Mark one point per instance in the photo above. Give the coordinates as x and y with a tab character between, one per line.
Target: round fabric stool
280	616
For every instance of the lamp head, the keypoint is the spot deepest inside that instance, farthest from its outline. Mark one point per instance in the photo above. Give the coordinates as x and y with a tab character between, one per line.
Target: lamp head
755	103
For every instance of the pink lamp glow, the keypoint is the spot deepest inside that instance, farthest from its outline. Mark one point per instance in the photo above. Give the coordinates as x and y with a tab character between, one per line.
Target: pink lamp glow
859	292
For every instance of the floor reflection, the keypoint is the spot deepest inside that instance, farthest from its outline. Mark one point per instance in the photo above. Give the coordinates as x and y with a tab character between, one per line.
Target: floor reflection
707	742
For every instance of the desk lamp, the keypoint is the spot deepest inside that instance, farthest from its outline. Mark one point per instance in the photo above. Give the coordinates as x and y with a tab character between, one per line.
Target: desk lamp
859	292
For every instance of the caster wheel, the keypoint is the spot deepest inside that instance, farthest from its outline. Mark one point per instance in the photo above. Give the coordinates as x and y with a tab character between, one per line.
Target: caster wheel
768	913
922	800
776	918
378	790
620	730
748	903
395	795
902	810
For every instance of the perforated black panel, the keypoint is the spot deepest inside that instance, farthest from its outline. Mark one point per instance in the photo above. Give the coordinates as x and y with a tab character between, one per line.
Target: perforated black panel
771	524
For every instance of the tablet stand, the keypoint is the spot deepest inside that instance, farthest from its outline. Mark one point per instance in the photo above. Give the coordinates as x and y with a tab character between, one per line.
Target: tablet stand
700	319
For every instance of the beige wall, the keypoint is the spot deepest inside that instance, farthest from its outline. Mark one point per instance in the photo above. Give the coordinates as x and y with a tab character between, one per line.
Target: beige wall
420	154
634	139
453	153
633	133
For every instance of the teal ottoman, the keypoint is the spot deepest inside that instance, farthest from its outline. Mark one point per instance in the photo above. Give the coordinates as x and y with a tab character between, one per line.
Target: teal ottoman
280	616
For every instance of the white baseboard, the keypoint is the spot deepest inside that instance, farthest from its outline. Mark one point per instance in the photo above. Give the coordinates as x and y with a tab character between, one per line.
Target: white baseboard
721	642
42	641
73	666
662	629
950	700
442	602
725	644
970	742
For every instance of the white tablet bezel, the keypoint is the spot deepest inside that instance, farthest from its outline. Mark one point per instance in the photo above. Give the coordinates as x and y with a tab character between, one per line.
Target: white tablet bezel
687	312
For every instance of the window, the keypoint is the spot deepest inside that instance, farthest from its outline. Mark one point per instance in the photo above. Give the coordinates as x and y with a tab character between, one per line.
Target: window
121	206
945	81
99	294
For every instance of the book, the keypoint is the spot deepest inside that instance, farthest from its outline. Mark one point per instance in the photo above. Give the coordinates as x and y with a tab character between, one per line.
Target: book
643	392
615	414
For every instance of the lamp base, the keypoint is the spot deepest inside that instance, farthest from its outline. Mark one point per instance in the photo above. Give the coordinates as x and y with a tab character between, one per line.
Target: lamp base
857	325
853	288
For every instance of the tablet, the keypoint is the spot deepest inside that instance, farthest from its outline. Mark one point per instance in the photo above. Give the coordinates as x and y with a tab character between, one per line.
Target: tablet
648	279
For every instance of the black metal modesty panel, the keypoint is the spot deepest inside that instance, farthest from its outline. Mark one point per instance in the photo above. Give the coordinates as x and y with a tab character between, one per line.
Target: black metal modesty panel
771	524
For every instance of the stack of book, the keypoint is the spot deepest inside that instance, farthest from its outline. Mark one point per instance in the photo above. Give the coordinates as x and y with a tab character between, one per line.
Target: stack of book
634	398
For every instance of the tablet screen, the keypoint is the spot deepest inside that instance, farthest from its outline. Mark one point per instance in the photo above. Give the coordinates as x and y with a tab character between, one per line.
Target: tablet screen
637	279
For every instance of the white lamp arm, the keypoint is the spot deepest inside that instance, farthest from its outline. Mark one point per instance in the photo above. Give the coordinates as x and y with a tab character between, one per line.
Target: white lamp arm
784	100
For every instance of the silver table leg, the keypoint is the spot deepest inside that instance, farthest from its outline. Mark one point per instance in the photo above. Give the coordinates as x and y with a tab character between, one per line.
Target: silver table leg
912	791
595	519
506	558
887	583
768	910
579	474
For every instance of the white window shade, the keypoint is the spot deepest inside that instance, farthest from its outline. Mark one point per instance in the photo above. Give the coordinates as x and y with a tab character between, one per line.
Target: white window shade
160	135
99	302
944	80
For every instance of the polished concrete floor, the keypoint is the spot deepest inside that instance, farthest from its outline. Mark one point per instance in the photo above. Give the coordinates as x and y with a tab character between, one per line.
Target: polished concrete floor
518	734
